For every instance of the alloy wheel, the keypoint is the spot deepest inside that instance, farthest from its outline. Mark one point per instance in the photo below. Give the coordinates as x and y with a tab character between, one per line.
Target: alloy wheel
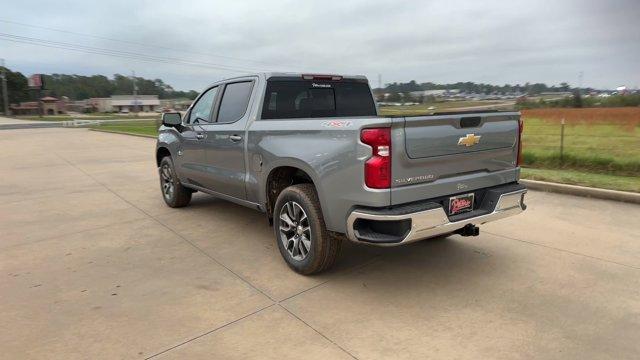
168	186
295	232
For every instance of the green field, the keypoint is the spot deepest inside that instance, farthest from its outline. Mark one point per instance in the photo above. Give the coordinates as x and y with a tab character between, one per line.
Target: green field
45	118
94	116
601	148
148	127
573	177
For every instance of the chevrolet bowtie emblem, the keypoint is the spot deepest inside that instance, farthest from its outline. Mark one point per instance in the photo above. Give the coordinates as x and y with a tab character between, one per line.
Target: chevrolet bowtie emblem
469	140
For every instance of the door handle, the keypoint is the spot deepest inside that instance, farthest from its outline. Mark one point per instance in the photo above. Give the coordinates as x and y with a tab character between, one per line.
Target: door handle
200	136
235	138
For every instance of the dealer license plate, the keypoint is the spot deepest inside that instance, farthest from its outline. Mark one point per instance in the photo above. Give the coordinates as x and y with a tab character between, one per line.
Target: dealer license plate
461	203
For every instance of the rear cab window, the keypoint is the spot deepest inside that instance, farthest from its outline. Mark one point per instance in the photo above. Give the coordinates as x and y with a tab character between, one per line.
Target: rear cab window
289	99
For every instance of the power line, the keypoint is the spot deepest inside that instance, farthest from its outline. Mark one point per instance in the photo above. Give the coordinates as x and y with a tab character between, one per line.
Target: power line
107	54
121	54
132	42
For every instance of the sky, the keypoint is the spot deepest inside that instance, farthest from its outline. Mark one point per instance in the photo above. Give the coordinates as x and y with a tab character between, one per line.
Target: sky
194	43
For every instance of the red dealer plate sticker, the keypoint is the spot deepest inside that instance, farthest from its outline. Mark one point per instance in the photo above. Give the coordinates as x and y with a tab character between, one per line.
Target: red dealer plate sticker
461	203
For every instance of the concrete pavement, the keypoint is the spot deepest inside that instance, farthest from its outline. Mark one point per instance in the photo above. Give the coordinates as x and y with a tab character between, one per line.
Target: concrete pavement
94	265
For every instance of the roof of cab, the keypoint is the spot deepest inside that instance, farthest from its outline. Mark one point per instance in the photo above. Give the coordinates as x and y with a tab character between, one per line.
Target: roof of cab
269	75
289	75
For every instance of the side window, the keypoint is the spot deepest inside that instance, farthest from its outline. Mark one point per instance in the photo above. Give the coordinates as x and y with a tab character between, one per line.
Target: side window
201	111
234	101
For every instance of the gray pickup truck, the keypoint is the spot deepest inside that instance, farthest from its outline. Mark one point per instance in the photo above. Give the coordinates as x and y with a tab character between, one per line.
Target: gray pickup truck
312	152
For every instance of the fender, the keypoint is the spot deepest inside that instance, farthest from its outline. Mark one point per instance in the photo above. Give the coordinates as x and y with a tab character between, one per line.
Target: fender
291	162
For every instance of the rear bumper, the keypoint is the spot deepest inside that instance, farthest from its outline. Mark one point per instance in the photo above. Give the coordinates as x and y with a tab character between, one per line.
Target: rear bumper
421	220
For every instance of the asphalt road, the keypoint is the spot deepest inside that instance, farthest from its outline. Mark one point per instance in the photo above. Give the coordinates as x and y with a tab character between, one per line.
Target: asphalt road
94	265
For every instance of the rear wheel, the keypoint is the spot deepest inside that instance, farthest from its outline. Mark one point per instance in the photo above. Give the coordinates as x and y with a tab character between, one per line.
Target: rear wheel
174	194
303	240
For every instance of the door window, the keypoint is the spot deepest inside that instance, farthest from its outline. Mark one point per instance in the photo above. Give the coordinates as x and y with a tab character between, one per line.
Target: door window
201	111
234	101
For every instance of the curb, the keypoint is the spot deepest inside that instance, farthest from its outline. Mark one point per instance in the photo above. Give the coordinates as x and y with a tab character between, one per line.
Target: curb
597	193
124	133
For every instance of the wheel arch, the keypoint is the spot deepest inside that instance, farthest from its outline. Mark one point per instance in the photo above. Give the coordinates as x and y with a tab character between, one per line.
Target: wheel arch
161	152
282	176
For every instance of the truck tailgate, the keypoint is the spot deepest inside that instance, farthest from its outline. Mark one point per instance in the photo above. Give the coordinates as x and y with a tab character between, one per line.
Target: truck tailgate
438	136
442	155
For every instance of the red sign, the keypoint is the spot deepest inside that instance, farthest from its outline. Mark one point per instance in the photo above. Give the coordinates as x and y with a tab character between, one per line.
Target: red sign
35	81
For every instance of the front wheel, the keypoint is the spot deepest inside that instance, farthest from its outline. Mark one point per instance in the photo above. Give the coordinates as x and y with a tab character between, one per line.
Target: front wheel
303	240
174	194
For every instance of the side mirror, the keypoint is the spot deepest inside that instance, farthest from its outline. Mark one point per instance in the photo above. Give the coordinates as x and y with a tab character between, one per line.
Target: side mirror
171	119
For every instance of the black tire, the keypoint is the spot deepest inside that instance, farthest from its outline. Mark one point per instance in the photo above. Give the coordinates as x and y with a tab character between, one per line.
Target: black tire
180	196
324	247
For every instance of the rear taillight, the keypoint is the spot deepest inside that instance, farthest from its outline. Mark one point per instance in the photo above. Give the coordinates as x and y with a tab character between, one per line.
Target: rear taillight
377	170
520	128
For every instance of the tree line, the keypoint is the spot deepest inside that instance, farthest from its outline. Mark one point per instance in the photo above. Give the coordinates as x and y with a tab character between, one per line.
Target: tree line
477	88
80	87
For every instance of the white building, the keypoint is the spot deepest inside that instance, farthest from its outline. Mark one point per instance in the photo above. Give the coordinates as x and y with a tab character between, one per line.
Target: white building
129	103
99	104
436	93
124	103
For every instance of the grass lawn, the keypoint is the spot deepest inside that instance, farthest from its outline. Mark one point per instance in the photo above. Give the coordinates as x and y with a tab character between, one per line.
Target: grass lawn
601	140
134	127
607	148
613	182
45	118
96	116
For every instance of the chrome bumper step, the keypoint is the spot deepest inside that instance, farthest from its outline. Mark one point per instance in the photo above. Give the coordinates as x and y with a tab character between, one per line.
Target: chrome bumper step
433	221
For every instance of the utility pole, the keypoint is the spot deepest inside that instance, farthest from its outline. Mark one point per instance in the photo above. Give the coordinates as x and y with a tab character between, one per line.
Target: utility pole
135	93
380	81
580	76
5	93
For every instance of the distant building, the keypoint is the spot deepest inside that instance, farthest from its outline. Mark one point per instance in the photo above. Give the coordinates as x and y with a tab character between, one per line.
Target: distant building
99	105
50	106
175	104
435	93
25	108
622	90
129	103
123	103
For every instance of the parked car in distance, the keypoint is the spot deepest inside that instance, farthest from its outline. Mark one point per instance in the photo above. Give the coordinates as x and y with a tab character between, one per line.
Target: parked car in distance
313	154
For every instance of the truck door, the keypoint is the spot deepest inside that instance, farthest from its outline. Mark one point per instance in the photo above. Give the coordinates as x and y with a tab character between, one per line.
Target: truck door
191	156
225	142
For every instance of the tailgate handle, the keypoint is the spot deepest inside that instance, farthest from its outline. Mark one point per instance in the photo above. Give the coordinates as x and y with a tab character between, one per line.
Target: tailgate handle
471	121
